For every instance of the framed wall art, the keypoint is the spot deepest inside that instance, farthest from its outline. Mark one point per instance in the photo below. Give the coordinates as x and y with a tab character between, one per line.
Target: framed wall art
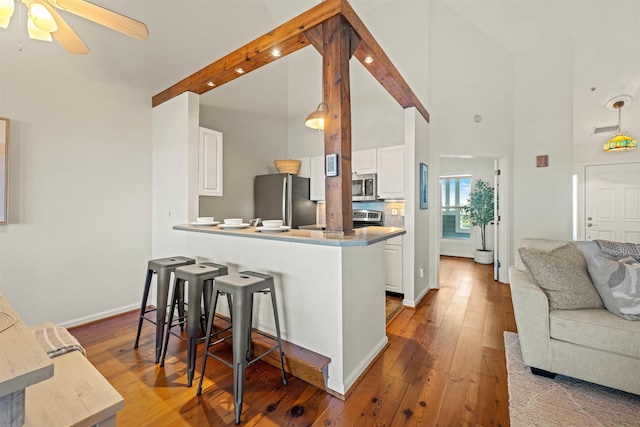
424	180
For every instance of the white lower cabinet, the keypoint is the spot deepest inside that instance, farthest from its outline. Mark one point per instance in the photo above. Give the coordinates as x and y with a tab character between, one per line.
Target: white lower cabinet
393	265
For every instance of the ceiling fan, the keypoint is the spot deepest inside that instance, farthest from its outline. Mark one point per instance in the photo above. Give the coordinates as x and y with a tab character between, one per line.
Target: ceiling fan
44	21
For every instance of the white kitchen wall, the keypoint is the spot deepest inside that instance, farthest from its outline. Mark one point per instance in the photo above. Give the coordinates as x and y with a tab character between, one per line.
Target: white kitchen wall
251	142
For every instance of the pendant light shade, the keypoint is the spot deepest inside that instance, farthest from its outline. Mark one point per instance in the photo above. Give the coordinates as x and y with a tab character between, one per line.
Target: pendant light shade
6	12
315	120
620	140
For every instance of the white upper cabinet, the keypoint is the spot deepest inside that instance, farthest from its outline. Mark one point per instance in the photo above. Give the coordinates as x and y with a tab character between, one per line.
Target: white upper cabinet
210	163
316	170
391	172
364	161
304	167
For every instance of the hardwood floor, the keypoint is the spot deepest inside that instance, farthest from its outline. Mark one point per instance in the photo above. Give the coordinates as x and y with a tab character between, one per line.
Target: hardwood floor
444	365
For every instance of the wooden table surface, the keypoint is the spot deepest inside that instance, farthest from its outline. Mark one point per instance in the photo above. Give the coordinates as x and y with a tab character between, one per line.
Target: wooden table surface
22	360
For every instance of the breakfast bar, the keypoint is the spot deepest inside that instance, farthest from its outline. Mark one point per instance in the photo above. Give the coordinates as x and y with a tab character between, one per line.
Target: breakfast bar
331	295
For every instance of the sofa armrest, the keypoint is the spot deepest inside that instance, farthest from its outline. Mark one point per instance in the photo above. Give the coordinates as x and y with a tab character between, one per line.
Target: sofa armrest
531	310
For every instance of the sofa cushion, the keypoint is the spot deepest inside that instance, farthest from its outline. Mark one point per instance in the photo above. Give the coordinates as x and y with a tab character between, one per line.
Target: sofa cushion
618	283
538	245
566	283
596	328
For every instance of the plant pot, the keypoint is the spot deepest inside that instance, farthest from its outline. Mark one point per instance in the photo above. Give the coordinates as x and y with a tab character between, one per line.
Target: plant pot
483	257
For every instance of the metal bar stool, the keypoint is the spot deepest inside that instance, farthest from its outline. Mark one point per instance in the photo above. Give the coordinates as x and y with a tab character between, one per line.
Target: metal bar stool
242	286
200	279
163	267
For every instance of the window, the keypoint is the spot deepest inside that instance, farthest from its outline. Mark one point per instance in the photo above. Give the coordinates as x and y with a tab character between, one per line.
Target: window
455	195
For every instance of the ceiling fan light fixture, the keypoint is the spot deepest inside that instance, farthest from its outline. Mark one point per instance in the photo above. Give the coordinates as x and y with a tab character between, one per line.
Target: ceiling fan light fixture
315	120
6	12
42	19
36	33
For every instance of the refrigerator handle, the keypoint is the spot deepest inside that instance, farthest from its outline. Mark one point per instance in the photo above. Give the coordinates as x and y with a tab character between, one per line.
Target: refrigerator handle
284	199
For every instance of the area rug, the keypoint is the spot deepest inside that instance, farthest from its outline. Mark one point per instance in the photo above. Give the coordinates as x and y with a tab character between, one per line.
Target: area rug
563	401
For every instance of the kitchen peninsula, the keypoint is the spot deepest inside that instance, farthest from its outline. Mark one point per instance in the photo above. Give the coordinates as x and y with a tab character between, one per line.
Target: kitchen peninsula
330	290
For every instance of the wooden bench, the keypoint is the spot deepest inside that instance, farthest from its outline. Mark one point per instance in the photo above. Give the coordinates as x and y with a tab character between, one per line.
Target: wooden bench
77	395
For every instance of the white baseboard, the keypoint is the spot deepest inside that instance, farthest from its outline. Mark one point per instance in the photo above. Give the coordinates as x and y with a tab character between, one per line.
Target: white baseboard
99	316
343	388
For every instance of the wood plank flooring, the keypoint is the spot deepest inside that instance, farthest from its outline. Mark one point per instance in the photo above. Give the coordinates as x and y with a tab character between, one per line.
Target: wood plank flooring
444	366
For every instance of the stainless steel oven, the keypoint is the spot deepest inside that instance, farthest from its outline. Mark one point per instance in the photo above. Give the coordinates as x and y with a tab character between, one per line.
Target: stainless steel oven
364	187
366	217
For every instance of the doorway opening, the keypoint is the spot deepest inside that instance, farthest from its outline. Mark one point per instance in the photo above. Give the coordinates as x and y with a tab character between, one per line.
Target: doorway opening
457	238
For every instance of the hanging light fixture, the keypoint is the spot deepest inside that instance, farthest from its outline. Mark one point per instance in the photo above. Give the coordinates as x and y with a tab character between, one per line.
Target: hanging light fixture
620	140
6	12
315	120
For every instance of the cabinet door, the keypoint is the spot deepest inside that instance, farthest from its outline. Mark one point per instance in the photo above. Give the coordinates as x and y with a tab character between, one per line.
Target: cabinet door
210	163
304	168
391	172
393	268
316	169
364	161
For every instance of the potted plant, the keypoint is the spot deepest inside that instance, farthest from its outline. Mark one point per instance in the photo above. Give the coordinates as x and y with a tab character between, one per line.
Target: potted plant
480	211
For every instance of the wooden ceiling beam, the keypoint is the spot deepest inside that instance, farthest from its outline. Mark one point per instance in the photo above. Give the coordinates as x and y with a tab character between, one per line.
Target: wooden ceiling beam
287	38
291	36
381	68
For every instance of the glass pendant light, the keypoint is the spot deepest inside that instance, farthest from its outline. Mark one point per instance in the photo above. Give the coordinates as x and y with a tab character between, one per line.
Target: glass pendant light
315	120
620	140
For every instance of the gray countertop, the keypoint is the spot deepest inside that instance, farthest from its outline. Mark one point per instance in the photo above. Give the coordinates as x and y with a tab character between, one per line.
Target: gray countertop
362	236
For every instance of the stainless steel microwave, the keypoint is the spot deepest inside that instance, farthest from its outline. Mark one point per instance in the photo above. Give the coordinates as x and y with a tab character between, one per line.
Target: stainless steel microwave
364	187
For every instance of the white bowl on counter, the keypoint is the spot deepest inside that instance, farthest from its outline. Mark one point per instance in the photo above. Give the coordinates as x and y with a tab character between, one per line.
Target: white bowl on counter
272	223
204	219
233	221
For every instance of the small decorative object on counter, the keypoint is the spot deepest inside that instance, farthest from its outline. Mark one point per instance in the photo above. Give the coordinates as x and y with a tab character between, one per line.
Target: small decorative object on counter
288	166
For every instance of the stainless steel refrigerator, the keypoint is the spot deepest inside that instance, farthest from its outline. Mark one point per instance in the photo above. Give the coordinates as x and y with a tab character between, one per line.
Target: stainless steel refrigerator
283	196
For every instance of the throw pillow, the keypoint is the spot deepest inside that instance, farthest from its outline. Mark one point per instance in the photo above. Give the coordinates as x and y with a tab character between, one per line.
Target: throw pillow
566	284
618	283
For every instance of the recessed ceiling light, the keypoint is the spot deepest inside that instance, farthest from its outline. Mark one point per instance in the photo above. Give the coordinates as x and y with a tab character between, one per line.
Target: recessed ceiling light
276	53
368	59
211	84
240	70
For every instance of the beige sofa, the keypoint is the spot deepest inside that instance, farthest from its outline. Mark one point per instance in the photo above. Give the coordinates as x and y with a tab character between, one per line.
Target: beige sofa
590	344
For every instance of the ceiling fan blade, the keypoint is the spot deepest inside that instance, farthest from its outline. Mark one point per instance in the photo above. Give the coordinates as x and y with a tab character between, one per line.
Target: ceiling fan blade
65	34
105	17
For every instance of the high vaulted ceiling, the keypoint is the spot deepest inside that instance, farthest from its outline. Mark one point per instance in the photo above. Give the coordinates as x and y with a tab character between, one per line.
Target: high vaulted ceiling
605	35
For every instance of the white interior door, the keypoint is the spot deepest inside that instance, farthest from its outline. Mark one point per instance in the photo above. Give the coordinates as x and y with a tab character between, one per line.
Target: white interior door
612	202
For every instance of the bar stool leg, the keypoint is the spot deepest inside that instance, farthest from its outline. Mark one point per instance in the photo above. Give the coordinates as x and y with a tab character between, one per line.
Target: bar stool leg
241	308
193	322
275	317
176	299
143	307
164	278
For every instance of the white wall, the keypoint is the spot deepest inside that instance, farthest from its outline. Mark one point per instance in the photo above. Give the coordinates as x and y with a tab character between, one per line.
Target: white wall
79	231
469	74
544	126
251	142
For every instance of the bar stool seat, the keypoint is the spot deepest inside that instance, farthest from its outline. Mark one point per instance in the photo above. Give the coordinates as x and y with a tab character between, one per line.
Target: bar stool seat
199	278
163	267
242	286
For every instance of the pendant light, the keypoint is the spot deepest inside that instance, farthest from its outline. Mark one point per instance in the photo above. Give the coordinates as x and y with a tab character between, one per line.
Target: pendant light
6	12
620	140
315	120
